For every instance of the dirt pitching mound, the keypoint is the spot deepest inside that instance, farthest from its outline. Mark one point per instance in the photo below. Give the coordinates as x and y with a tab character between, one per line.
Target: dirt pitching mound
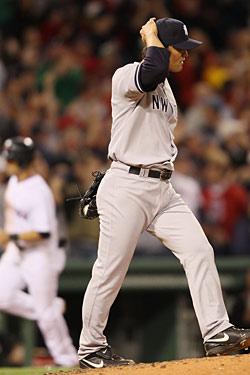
224	365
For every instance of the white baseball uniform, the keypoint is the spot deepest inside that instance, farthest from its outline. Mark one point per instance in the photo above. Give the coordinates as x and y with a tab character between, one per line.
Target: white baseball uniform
128	204
30	206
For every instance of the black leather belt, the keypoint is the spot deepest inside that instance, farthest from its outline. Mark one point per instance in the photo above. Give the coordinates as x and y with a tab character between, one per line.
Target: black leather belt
163	175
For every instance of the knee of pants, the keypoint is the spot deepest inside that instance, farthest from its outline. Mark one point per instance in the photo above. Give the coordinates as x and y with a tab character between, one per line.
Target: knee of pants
200	252
49	314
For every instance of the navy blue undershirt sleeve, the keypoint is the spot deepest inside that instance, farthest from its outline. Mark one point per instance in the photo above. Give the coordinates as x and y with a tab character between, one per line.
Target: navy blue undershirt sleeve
154	68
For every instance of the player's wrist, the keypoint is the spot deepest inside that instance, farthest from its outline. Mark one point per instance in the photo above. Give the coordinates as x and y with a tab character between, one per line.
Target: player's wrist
152	40
13	237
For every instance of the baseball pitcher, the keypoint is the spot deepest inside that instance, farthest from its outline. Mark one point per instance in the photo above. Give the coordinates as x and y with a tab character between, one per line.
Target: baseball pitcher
136	195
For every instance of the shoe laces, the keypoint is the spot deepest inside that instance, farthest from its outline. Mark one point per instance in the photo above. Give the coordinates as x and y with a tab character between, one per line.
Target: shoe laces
238	329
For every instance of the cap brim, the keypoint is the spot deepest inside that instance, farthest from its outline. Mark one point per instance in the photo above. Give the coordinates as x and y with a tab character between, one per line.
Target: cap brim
188	44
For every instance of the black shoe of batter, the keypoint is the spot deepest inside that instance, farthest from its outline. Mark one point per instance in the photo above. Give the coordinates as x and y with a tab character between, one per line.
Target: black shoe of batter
104	358
230	340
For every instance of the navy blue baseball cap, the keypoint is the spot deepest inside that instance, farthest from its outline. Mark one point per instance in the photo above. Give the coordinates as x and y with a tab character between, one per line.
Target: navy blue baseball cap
172	32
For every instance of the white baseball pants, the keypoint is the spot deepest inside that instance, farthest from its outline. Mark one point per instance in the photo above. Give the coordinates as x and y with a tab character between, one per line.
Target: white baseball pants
128	205
34	269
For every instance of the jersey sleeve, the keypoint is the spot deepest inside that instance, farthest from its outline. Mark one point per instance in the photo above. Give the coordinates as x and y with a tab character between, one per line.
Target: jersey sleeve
134	80
154	68
125	82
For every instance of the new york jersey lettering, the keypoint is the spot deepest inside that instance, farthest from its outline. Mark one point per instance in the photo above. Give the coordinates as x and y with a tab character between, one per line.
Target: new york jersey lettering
159	102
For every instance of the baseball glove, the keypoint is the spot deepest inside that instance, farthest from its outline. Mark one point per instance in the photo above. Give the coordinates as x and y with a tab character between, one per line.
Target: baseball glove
88	208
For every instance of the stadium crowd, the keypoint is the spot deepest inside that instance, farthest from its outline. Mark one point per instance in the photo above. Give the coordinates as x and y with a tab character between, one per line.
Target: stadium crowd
57	58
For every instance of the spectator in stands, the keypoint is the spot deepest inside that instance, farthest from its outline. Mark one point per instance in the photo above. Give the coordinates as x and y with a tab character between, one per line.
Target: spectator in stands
240	244
185	184
224	200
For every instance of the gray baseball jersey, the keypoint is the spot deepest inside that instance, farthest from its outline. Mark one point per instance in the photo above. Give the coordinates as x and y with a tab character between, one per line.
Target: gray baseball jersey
149	117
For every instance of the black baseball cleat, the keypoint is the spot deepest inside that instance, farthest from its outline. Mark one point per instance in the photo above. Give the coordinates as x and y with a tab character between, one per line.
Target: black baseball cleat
104	358
230	340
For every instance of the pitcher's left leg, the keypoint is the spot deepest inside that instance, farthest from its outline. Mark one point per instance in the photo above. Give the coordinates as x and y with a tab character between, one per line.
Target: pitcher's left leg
179	230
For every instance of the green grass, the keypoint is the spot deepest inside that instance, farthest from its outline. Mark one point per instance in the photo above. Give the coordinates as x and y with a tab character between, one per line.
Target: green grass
30	370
